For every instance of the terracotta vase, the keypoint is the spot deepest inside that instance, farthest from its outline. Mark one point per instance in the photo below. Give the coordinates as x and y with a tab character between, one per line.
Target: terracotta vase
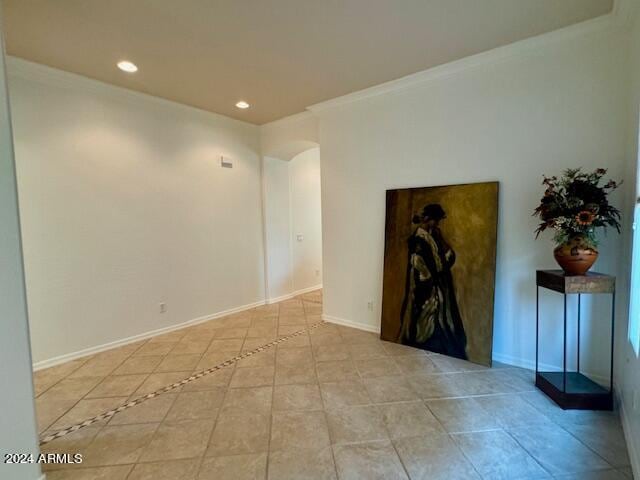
575	256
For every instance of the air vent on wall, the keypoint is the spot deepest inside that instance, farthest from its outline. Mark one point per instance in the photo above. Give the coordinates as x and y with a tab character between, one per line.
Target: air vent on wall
226	162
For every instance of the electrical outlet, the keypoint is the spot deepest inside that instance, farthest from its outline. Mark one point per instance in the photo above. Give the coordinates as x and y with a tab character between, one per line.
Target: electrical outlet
163	308
370	305
317	273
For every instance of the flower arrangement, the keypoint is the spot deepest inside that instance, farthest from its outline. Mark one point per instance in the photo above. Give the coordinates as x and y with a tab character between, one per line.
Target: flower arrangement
575	204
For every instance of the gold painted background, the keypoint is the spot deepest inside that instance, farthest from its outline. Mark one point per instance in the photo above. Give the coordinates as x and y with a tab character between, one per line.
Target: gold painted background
471	230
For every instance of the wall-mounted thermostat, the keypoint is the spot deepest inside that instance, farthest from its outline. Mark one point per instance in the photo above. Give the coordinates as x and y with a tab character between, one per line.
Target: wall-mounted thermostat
226	162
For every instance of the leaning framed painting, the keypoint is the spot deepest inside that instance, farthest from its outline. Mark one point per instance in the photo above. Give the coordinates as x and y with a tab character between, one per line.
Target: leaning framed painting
439	269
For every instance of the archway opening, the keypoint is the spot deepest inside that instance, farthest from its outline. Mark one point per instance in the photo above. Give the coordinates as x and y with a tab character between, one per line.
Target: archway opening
293	223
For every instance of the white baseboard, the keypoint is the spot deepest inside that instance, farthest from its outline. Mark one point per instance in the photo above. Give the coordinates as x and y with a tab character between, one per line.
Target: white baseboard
522	363
498	357
545	367
51	362
288	296
634	455
350	323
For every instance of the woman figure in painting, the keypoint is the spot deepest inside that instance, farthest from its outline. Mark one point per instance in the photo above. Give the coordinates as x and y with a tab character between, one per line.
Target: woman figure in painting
430	318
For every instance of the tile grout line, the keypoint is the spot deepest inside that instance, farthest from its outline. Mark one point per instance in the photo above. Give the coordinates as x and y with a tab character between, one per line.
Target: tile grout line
86	359
110	413
390	439
462	452
324	406
151	438
203	457
273	388
84	397
452	435
562	427
530	454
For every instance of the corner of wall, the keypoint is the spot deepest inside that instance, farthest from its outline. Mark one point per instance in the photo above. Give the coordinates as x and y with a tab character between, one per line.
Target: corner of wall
632	447
350	323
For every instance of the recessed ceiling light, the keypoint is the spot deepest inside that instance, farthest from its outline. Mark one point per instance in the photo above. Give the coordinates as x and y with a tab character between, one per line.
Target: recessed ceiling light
127	66
242	104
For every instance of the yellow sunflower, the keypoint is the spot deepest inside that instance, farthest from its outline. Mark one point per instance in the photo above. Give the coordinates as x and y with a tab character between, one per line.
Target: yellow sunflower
585	217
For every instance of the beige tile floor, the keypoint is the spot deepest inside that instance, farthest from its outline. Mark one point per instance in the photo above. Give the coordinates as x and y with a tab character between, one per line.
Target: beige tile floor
332	403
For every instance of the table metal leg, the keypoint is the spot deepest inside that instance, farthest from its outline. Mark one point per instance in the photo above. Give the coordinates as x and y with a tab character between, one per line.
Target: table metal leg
537	323
564	356
578	366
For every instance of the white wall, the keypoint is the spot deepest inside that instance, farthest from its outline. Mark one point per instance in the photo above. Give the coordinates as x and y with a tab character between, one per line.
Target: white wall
543	107
289	136
292	207
277	227
306	219
17	420
125	205
628	378
281	141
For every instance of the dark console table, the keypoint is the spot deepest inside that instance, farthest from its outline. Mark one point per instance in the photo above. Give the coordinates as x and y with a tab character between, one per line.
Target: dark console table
572	389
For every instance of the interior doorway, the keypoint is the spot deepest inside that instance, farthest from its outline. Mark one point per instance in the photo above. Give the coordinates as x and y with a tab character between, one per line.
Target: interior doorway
306	220
293	224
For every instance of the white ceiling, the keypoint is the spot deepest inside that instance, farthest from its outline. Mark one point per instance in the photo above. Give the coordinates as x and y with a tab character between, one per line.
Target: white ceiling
278	55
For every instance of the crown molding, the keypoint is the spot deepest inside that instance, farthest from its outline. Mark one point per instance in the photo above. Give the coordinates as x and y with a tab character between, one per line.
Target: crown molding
625	12
295	118
623	15
18	68
619	17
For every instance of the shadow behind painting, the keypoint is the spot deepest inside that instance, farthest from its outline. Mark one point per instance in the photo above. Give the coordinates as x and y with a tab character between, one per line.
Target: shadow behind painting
439	269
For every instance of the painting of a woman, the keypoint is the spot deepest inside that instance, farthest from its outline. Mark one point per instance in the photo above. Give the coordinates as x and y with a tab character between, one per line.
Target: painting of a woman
439	269
430	317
